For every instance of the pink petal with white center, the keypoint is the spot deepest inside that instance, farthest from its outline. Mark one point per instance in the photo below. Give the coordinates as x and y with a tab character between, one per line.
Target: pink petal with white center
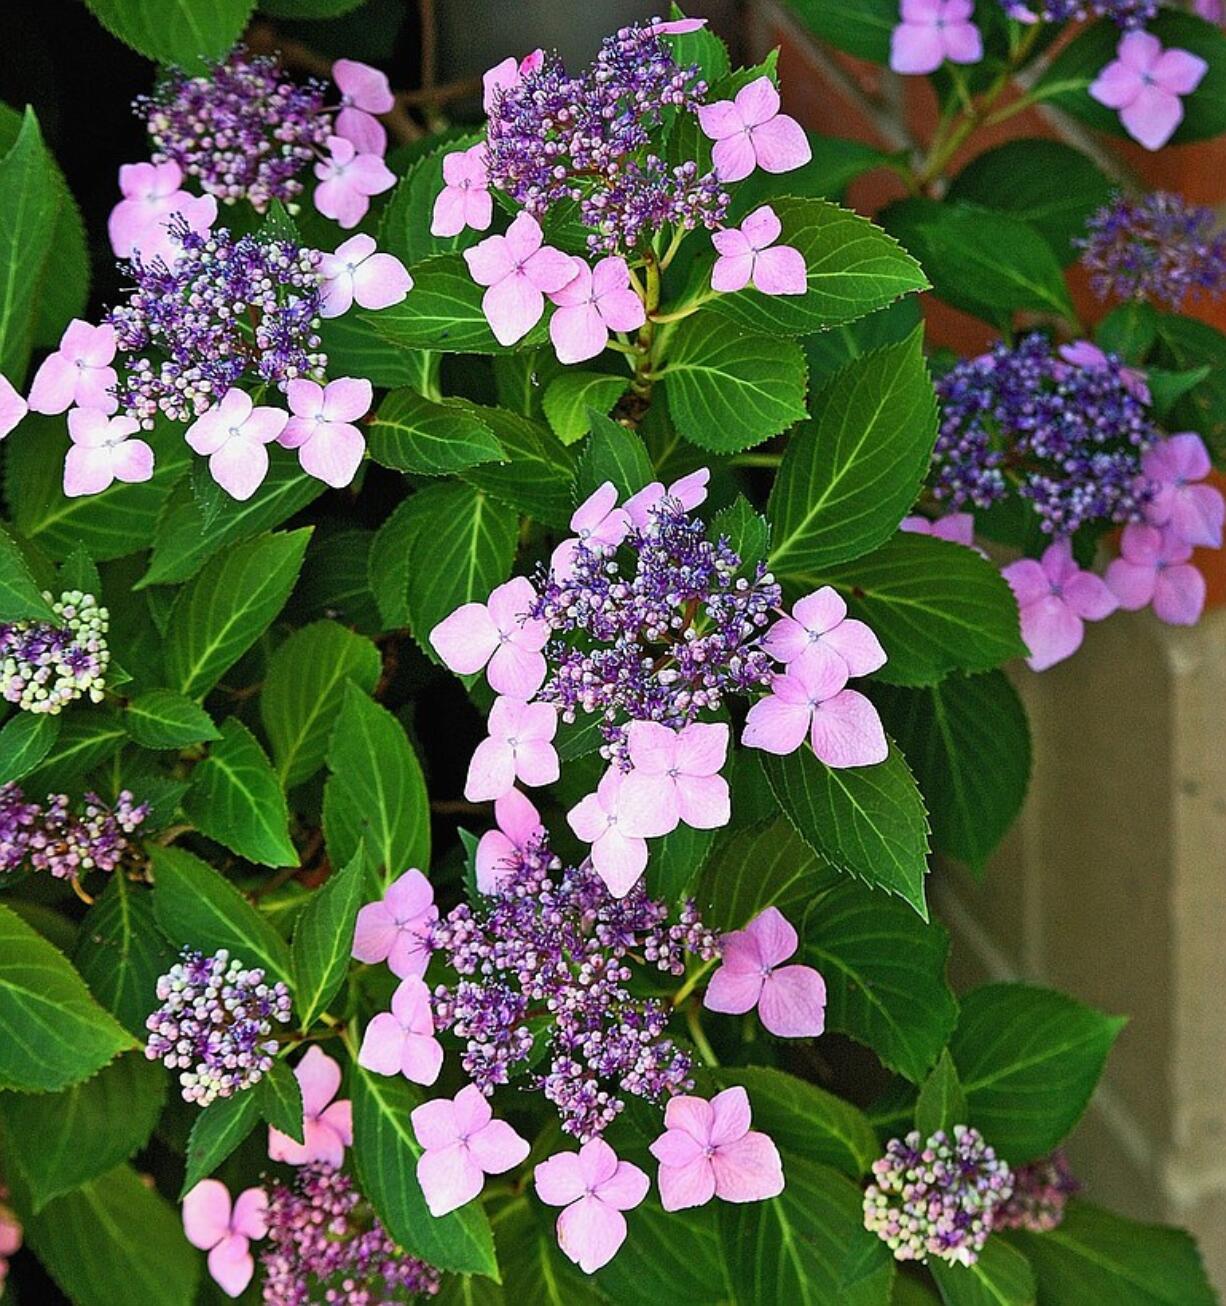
847	731
776	726
1089	597
780	271
536	763
916	49
239	467
856	644
491	773
132	461
781	145
382	1045
682	1187
410	952
734	158
206	1214
467	639
651	746
517	672
347	399
590	1233
490	260
1116	86
232	1265
733	992
549	269
54	384
333	454
620	860
678	1147
793	1003
703	802
87	470
380	281
1051	631
434	1123
560	1179
496	1147
1152	117
649	806
702	749
449	1178
578	333
1178	71
363	86
1179	595
732	272
625	1188
748	1170
512	307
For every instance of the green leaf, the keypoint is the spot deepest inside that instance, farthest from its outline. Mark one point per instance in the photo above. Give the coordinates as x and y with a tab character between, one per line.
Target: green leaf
538	472
747	532
702	47
968	741
830	351
612	453
853	268
280	1099
1186	343
355	348
197	907
387	564
676	861
1129	330
385	1151
20	597
335	581
1000	1277
404	229
727	390
413	434
63	1140
836	163
299	9
1098	1256
859	27
85	740
1029	1059
218	1130
25	740
573	399
885	977
936	606
323	939
160	718
52	1033
121	953
236	798
115	1240
942	1103
182	32
656	1273
805	1120
1167	388
376	795
867	821
228	606
301	694
1050	185
851	473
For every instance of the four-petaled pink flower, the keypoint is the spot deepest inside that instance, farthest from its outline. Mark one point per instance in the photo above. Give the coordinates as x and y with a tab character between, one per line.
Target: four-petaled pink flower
347	180
102	452
593	303
235	435
330	447
401	1041
365	91
1055	597
226	1231
618	858
327	1126
675	778
689	491
1144	82
749	131
708	1150
1083	353
465	200
1154	567
820	632
396	929
79	372
499	851
600	523
812	699
357	271
498	632
1190	512
518	271
749	253
151	193
519	748
932	31
12	406
507	74
791	1000
463	1143
595	1188
956	527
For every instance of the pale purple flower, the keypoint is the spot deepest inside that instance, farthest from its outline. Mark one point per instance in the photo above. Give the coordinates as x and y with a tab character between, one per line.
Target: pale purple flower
327	1125
593	303
518	271
956	527
1190	512
500	633
151	193
1154	567
1145	83
932	31
102	451
330	447
12	406
225	1231
820	632
347	180
500	851
675	27
503	76
365	91
465	200
791	1000
355	271
749	253
600	524
519	747
595	1188
463	1143
1082	353
674	778
811	699
396	929
618	858
79	372
749	132
708	1150
1055	598
689	491
235	435
401	1041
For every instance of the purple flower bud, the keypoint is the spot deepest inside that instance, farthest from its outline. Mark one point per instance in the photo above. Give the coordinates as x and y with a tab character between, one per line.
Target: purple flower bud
45	665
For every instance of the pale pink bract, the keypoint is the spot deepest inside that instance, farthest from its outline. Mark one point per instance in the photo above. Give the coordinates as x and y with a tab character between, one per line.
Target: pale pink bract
518	825
593	303
1155	568
1191	512
956	527
518	271
600	523
498	635
748	253
689	491
355	272
12	406
462	1143
234	434
1055	598
330	447
327	1125
401	1041
78	372
226	1231
465	200
519	747
396	928
932	31
1145	83
749	132
103	451
347	180
674	778
618	858
820	631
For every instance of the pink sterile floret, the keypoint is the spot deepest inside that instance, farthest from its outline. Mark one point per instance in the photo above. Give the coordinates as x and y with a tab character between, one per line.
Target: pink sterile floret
327	1126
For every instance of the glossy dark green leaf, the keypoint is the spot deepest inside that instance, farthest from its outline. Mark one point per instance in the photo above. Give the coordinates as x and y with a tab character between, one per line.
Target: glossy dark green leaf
323	939
160	718
414	434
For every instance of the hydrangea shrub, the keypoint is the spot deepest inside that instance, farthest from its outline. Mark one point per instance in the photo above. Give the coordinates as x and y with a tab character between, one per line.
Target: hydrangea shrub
497	630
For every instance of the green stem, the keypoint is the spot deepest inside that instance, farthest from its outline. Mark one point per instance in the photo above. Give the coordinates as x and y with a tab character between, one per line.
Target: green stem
674	245
686	310
691	981
755	460
693	1020
644	374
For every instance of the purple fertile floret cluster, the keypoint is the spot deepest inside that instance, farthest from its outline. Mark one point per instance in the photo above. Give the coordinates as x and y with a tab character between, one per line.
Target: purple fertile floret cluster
325	1244
45	665
1068	438
1128	14
1041	1190
556	953
53	837
215	1024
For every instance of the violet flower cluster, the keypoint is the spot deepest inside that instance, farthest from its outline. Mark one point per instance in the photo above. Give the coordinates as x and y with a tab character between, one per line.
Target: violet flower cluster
54	837
1041	1190
1127	14
1157	248
936	1197
45	665
215	1024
